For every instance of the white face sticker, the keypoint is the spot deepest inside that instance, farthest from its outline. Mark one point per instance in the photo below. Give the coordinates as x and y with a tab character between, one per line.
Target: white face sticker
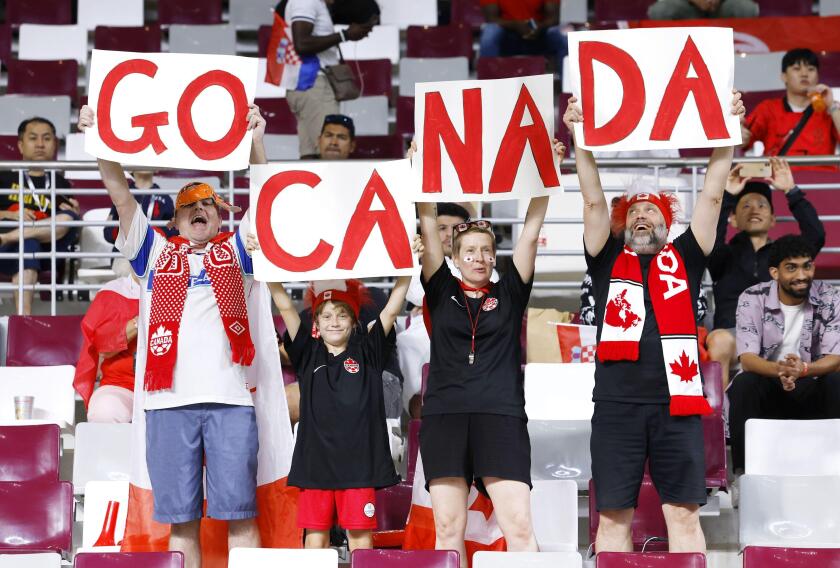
468	259
491	260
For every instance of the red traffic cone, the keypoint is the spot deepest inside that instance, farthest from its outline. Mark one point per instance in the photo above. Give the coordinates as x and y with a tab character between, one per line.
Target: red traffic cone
109	525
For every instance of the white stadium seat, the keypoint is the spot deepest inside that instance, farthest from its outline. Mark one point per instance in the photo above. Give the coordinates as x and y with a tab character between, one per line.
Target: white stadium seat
42	43
792	447
52	387
102	453
274	557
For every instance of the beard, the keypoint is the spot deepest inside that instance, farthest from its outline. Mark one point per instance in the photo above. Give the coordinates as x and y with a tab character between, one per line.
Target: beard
649	243
798	294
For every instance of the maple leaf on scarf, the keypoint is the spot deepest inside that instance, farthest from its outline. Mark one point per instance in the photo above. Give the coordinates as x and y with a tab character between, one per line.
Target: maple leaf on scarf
686	370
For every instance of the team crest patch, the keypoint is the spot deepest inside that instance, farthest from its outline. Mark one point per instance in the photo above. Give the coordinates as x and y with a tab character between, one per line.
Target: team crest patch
490	304
160	342
370	510
351	366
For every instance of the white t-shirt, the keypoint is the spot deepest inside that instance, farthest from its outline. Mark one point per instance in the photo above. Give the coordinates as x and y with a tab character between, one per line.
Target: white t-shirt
204	371
316	13
794	318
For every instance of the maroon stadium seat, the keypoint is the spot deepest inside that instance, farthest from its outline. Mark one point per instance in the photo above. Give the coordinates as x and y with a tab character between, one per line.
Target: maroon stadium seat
506	67
785	7
145	39
9	147
405	115
714	440
713	384
263	37
648	520
610	10
29	453
751	99
771	557
454	40
650	560
374	76
405	558
467	12
43	77
87	201
392	506
190	11
129	560
289	375
36	515
5	42
560	130
43	340
40	12
412	448
830	68
278	116
391	147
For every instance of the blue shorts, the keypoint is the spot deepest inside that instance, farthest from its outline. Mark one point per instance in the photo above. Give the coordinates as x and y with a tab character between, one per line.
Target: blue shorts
177	442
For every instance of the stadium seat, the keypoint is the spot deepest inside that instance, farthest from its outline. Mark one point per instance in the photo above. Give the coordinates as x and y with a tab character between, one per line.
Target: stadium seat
102	453
506	67
431	70
772	557
830	68
454	40
558	391
88	202
485	559
16	108
829	8
404	14
251	14
209	39
29	453
42	77
554	510
792	447
273	557
412	448
55	12
9	147
43	340
144	39
189	12
560	450
41	43
32	560
759	71
373	75
389	147
278	116
789	510
714	444
752	98
98	495
95	13
93	240
36	516
649	531
785	7
405	115
405	559
52	388
263	37
650	560
130	560
383	41
369	114
282	147
611	11
5	43
392	506
466	12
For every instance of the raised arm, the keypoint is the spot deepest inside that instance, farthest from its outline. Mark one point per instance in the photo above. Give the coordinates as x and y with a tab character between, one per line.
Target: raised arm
525	253
707	209
286	307
596	214
396	300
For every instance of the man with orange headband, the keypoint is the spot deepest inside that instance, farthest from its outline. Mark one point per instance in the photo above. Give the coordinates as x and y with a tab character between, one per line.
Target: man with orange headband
648	389
195	353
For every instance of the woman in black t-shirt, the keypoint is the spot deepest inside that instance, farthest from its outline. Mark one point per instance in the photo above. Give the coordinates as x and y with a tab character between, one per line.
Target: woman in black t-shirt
474	425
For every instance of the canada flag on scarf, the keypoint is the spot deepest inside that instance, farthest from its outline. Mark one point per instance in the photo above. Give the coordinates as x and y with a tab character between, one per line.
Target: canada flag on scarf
577	342
282	61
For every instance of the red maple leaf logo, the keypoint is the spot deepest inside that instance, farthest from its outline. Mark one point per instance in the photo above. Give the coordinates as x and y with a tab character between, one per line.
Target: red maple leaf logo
686	370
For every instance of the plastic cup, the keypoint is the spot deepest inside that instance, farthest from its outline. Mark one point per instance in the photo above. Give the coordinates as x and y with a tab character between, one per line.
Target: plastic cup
23	407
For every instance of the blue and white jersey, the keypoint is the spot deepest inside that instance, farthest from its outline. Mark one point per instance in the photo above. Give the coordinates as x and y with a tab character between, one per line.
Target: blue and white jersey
316	13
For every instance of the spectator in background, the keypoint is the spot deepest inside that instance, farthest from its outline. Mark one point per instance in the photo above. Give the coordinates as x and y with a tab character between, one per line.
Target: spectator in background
743	261
109	335
316	43
338	137
522	27
157	207
37	142
807	102
697	9
789	345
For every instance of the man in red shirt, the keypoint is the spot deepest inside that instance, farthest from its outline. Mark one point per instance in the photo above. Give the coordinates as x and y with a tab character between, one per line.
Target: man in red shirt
773	120
522	27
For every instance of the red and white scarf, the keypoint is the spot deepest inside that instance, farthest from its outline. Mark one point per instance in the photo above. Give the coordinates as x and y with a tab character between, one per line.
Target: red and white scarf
624	320
169	292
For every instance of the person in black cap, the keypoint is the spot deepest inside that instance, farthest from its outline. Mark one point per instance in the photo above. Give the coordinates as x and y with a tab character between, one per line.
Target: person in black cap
742	262
338	137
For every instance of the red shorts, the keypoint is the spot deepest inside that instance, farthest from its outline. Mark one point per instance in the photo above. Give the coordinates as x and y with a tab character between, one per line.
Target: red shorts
354	508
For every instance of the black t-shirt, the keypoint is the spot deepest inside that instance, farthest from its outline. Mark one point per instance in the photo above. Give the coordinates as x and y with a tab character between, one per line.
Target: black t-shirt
643	381
493	384
342	440
38	203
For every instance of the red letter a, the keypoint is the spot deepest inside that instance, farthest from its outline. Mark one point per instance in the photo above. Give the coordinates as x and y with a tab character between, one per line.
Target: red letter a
632	99
465	156
705	97
513	146
362	222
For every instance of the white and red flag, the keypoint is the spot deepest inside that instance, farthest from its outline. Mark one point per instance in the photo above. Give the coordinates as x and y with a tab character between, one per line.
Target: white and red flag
577	342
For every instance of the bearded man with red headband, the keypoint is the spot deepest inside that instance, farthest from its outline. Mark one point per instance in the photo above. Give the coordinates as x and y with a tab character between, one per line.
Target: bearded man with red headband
648	389
195	354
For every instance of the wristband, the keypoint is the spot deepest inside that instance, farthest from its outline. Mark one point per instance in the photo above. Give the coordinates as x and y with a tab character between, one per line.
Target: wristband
342	36
804	369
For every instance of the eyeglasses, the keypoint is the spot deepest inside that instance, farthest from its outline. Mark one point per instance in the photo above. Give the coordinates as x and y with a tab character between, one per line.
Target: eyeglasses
479	224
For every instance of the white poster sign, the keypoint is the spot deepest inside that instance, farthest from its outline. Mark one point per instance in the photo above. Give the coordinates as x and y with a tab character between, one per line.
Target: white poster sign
332	220
485	140
171	109
649	89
